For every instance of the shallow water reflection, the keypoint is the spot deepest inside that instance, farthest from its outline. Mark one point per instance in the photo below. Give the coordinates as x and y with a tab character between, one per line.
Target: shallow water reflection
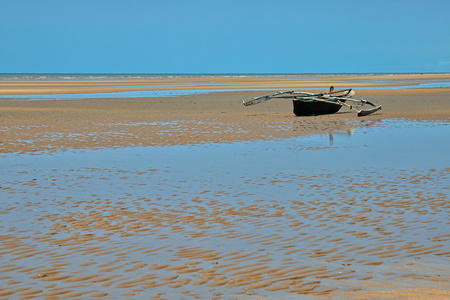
270	219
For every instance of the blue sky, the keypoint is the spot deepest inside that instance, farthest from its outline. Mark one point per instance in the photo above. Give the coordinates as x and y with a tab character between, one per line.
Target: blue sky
232	36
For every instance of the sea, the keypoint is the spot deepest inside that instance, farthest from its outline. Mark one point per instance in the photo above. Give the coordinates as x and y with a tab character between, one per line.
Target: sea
137	76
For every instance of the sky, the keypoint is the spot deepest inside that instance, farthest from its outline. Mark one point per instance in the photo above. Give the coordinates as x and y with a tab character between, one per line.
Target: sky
218	36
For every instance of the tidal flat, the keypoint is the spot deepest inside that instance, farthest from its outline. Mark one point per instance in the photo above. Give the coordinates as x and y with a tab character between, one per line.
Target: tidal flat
349	211
195	196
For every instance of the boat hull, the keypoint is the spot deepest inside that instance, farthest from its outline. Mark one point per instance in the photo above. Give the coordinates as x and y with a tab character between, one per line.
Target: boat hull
313	107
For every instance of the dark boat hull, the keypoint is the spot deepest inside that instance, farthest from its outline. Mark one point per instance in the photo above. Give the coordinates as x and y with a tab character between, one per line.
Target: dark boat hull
313	107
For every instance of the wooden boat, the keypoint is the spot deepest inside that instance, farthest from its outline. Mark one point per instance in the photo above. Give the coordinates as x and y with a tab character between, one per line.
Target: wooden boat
308	107
330	102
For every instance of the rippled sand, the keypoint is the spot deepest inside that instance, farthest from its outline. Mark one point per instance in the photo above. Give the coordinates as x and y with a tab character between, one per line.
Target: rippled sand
236	221
172	230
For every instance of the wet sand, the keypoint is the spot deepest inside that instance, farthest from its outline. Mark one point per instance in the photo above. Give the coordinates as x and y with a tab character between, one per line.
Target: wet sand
49	125
215	82
115	226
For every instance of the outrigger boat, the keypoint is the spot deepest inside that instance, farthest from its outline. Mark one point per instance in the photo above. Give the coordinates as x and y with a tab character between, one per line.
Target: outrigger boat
306	104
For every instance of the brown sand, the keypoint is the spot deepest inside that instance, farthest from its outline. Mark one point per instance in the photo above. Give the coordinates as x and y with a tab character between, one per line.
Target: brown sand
217	82
28	126
215	117
94	259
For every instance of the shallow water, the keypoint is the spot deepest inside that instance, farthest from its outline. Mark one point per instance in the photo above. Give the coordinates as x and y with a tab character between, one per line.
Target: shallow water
171	93
274	219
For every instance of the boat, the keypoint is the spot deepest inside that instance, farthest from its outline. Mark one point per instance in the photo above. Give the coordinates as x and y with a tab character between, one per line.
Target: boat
308	107
330	102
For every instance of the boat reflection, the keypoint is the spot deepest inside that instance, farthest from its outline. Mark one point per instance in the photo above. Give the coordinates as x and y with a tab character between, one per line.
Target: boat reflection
347	132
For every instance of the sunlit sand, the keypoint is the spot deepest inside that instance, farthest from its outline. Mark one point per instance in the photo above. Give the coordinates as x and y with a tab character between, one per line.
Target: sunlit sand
197	196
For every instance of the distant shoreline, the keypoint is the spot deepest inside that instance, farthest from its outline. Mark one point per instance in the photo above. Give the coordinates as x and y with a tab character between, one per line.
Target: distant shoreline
107	76
155	86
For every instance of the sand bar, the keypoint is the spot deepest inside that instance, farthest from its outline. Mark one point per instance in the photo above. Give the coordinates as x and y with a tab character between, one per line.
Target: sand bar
212	117
25	87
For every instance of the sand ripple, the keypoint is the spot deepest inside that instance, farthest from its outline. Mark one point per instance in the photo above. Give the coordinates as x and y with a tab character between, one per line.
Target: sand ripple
218	239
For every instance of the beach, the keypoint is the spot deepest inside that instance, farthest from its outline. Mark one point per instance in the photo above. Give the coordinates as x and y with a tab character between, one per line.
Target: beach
193	118
193	195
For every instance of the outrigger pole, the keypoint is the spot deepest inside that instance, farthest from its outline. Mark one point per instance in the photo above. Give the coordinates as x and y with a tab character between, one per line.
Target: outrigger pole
260	99
328	98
